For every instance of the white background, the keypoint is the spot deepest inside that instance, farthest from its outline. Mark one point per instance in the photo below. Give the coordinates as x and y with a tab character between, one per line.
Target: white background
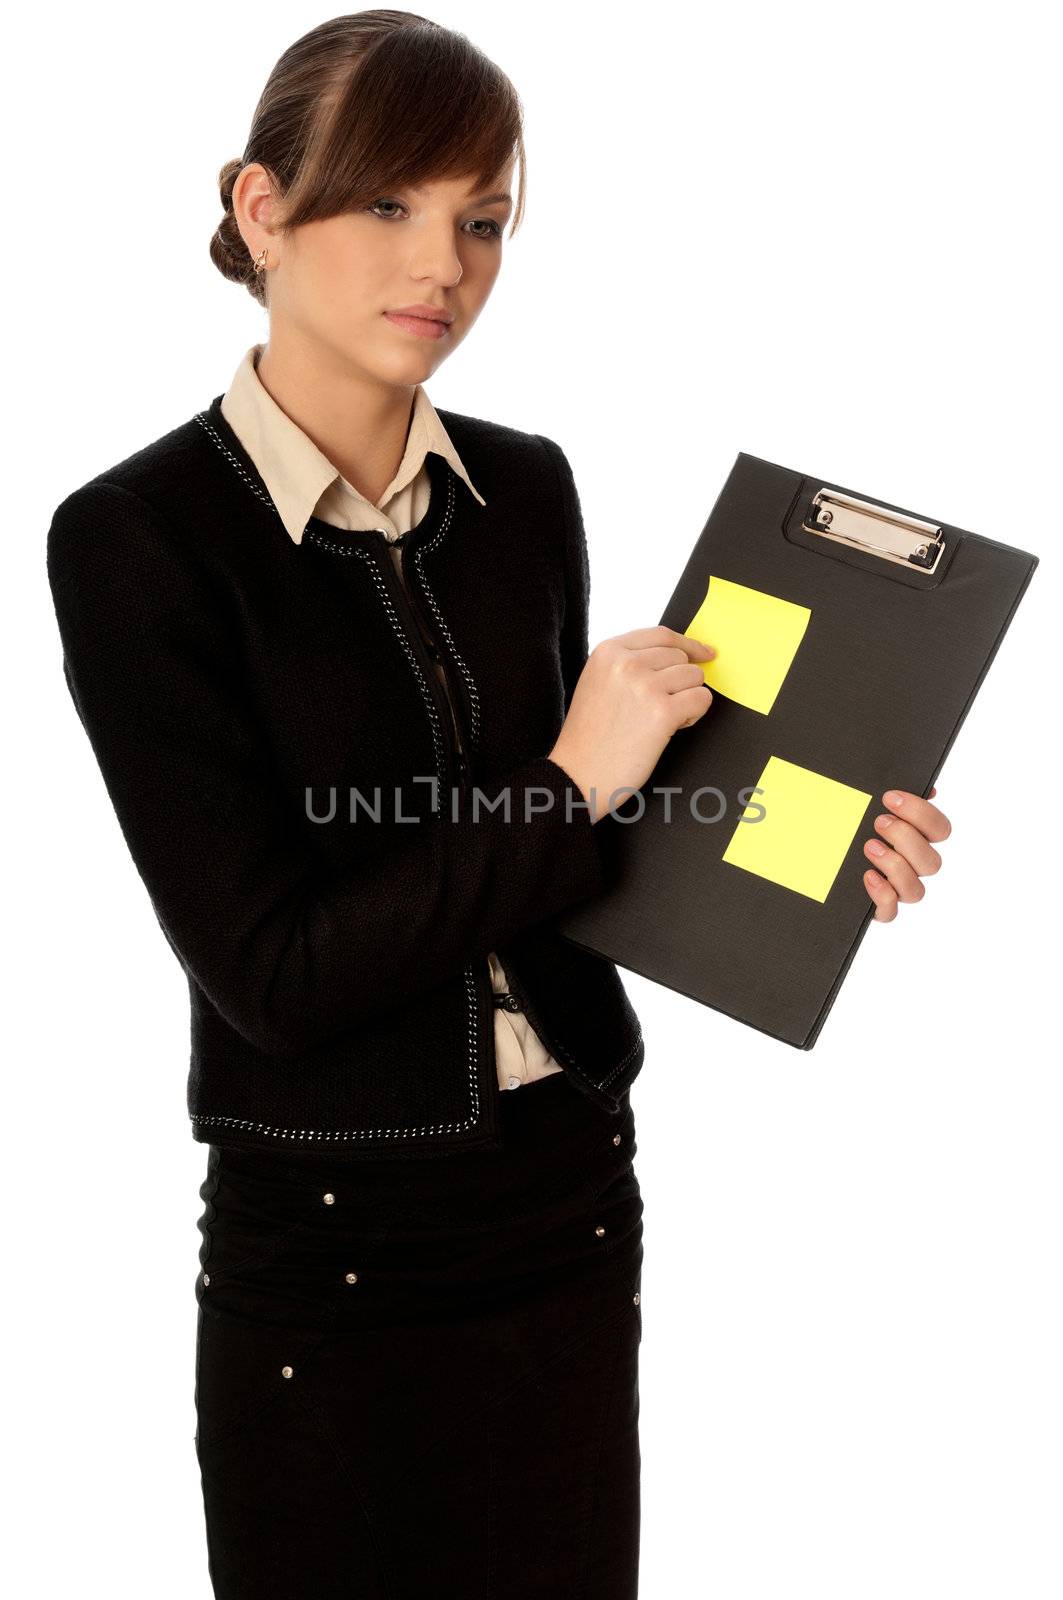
822	234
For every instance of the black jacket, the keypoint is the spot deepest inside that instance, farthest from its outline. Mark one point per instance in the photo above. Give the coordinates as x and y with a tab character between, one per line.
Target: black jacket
234	684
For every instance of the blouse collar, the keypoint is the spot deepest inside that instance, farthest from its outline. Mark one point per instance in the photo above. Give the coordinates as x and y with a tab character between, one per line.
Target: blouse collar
297	474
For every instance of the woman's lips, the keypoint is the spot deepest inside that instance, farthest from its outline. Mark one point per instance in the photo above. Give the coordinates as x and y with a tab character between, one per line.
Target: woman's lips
424	327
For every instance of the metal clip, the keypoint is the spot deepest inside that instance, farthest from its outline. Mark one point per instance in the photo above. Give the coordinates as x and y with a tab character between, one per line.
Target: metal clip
881	532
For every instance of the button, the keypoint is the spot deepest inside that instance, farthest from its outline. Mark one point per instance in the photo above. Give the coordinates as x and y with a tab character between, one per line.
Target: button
286	1372
206	1279
330	1199
600	1231
351	1277
637	1298
616	1138
514	1083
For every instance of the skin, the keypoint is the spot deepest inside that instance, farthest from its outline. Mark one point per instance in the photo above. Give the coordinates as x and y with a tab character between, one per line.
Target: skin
347	377
333	363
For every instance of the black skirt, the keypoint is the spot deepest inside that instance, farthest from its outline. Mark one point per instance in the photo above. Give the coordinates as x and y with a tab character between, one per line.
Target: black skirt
420	1378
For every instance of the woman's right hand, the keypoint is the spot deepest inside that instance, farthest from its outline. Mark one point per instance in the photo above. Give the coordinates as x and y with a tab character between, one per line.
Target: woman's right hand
634	692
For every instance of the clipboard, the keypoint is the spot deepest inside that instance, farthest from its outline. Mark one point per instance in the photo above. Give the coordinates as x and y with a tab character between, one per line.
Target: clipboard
853	636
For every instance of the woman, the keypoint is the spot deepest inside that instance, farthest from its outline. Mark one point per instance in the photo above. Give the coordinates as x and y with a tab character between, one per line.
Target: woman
309	632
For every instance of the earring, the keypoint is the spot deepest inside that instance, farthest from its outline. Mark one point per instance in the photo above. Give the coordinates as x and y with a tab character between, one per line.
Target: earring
260	260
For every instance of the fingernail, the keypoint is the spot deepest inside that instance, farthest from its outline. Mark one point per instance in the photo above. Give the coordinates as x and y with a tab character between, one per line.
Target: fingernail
893	798
876	848
883	821
873	879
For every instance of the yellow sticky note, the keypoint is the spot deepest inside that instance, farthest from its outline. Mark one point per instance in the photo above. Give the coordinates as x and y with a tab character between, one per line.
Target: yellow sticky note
756	636
808	825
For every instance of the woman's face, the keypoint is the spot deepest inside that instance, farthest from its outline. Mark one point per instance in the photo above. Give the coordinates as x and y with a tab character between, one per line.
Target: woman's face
337	281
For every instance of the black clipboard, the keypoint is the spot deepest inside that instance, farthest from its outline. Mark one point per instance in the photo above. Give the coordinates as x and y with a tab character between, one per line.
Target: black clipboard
906	615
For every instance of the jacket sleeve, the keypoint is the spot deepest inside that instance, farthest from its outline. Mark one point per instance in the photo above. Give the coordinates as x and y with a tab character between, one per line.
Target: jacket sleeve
575	648
289	953
575	630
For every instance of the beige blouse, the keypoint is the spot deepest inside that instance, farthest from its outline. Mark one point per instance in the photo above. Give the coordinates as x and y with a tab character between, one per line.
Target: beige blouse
302	482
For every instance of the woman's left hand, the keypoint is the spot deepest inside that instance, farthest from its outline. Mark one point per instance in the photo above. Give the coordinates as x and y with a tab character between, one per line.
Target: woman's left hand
903	852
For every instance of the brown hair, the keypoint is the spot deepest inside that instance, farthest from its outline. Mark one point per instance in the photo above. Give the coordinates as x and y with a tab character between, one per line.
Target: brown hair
363	104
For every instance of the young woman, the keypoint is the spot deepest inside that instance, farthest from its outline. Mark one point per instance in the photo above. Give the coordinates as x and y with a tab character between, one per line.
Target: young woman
330	646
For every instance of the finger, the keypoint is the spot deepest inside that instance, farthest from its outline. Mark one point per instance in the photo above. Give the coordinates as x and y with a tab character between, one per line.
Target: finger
658	656
896	869
644	638
929	819
932	793
683	675
690	705
884	896
908	842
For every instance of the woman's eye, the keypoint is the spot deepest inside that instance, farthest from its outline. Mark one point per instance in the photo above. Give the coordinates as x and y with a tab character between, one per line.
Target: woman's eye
494	231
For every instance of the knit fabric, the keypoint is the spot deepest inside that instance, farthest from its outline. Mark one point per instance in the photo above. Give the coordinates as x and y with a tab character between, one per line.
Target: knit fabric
302	482
240	690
